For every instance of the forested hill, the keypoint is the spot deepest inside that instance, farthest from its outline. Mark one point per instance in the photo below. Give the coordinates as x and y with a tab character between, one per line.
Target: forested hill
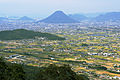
20	34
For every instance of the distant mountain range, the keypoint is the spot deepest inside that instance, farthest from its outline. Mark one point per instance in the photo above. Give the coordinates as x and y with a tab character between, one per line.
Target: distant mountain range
58	17
111	16
61	17
20	34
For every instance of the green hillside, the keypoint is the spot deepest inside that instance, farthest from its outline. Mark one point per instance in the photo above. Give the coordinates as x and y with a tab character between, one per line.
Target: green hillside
26	34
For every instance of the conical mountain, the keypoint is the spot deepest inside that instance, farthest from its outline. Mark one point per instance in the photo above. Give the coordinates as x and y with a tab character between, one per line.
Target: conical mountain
58	17
25	18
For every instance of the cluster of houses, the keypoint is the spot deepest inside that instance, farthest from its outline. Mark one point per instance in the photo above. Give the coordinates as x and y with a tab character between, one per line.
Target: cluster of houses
16	56
102	54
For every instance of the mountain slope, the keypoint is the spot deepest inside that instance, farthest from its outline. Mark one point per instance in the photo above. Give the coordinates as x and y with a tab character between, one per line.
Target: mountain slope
58	17
26	34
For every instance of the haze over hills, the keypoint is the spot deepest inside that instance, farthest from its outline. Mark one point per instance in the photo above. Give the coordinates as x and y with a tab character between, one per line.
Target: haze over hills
3	18
20	34
58	17
111	16
78	17
25	18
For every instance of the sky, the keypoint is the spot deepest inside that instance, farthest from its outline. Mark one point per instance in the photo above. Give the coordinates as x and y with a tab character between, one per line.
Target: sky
43	8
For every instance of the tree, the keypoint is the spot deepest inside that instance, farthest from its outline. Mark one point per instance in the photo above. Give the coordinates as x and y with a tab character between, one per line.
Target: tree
10	71
3	69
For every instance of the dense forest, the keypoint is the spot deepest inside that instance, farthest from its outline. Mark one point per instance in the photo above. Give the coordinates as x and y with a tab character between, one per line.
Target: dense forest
12	71
26	34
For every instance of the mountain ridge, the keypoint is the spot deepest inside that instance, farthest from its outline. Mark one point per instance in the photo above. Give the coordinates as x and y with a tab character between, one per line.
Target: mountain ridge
111	16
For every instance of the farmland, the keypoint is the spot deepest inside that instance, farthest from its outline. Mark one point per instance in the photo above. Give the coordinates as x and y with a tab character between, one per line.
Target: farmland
92	51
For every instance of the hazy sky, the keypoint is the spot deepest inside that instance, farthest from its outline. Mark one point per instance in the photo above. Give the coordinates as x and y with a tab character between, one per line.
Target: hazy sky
46	7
